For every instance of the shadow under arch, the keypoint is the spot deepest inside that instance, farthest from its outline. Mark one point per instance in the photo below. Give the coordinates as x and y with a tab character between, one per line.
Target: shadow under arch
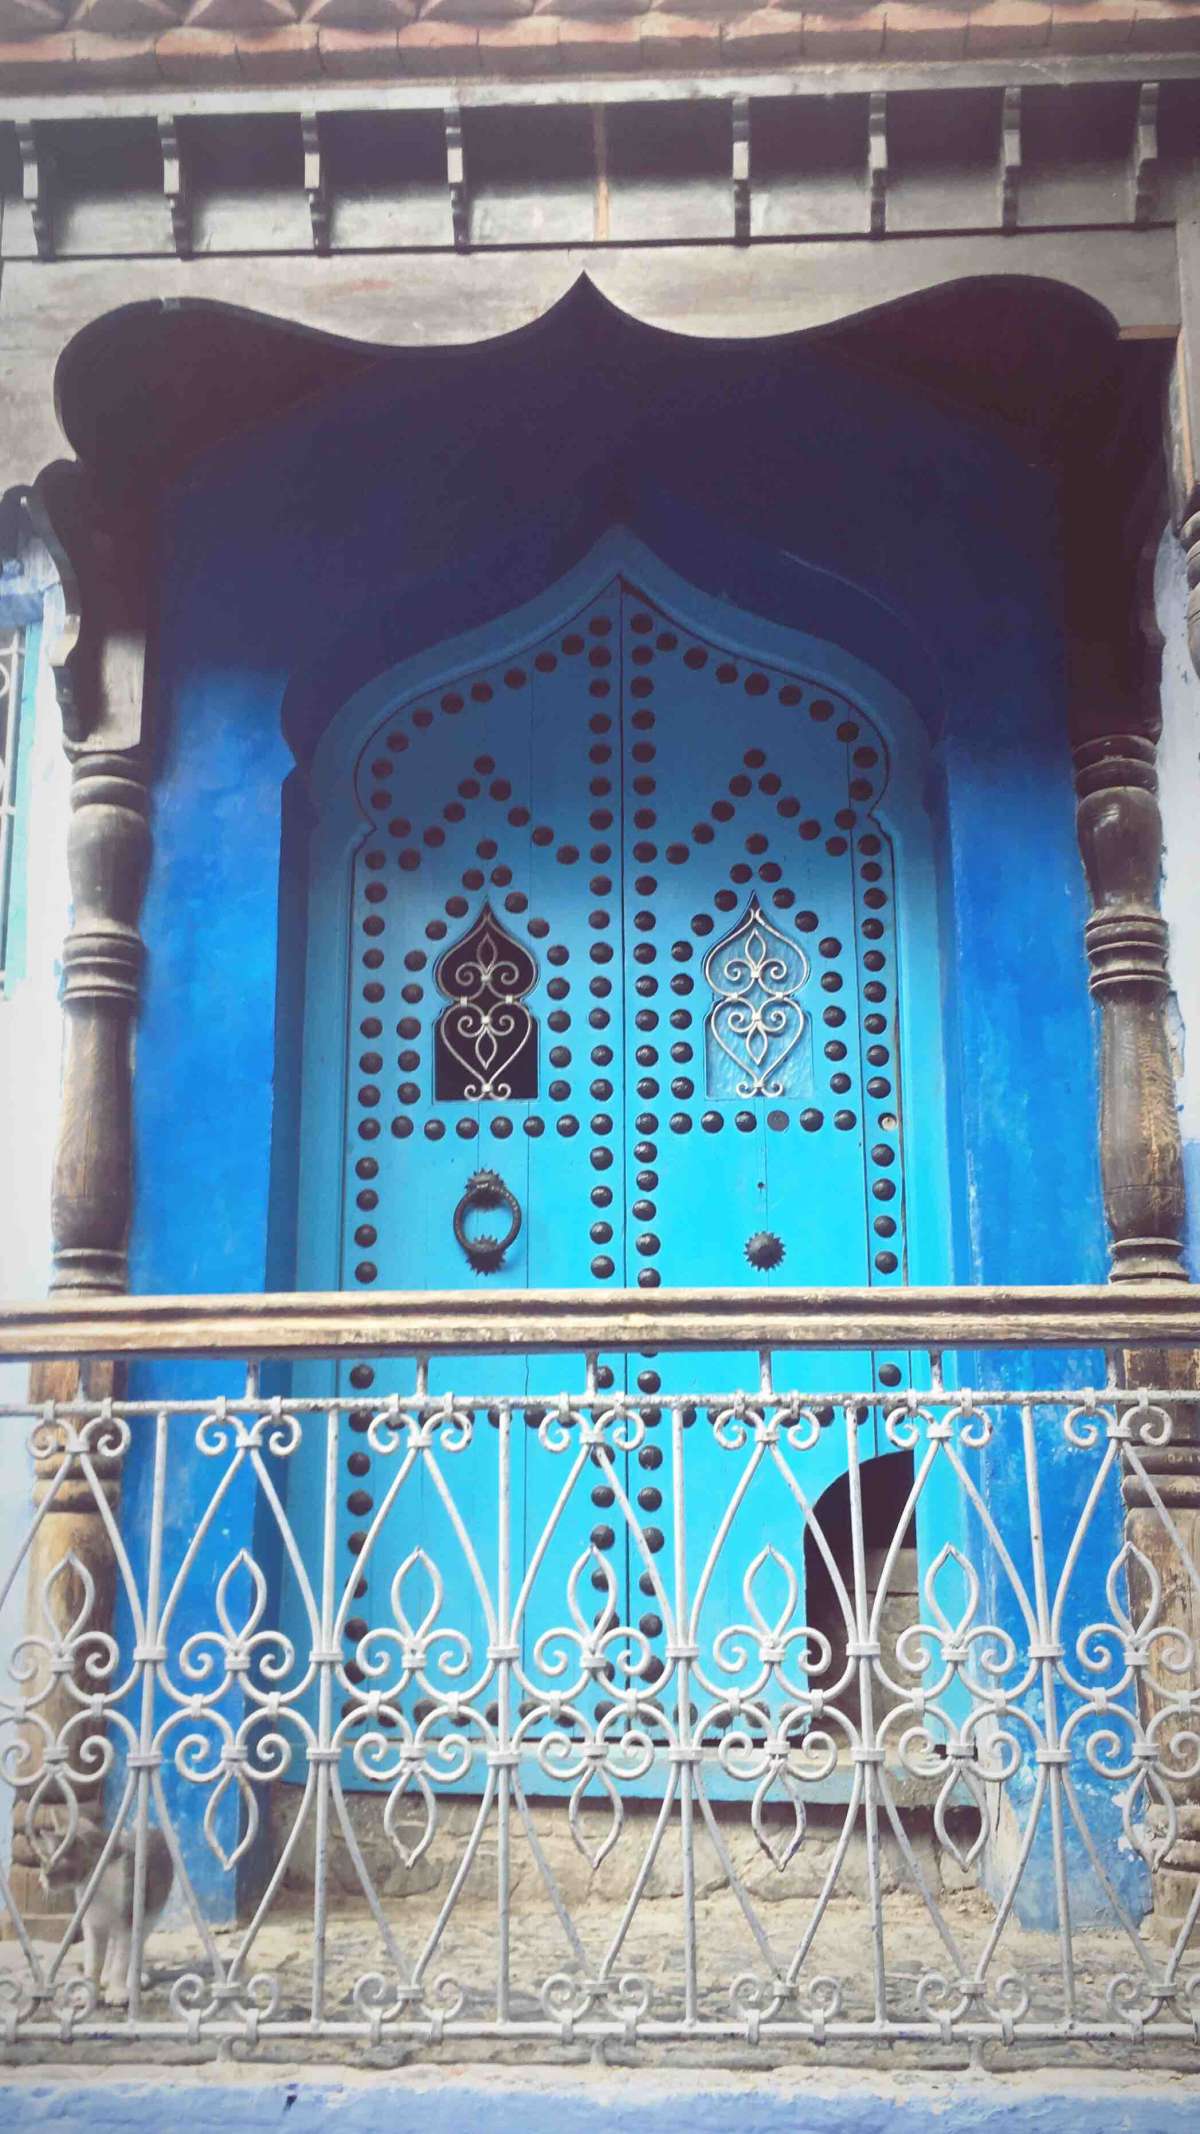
714	558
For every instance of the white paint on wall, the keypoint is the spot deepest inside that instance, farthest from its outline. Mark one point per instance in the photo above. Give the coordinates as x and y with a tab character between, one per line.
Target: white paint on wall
30	1052
1179	788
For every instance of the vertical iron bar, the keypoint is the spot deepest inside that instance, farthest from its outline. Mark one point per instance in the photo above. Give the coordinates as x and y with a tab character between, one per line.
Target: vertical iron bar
683	1694
1053	1755
504	1721
326	1660
148	1663
869	1752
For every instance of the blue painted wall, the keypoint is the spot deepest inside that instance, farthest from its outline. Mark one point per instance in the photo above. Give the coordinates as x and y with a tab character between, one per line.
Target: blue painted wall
441	491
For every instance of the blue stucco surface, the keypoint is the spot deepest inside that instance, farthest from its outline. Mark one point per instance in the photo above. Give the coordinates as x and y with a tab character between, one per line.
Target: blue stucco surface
976	2107
440	492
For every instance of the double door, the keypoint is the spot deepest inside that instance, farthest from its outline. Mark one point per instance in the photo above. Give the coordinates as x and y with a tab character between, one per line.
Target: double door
622	1004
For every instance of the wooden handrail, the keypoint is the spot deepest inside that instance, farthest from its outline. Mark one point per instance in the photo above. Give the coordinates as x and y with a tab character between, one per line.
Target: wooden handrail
404	1322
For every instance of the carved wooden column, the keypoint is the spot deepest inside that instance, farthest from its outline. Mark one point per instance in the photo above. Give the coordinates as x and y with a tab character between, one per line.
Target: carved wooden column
1120	835
98	664
1115	650
1175	1470
108	854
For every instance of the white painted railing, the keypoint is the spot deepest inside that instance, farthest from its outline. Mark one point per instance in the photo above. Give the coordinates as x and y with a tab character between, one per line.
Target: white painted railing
795	1753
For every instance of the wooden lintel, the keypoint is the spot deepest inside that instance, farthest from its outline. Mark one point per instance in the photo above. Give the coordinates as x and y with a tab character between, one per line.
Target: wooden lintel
1166	1313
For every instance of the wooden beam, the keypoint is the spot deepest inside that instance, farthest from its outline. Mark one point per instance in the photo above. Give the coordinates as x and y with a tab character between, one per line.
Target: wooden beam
571	1320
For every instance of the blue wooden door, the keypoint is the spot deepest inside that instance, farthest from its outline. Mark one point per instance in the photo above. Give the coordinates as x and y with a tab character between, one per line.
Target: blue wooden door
623	952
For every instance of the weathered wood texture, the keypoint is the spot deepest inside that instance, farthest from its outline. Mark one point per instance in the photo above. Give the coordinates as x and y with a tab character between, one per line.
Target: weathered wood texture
1120	835
880	154
97	661
108	852
575	1320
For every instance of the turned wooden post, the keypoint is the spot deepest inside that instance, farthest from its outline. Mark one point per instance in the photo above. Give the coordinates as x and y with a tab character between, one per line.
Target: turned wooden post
108	852
1120	835
98	666
1141	1157
1175	1470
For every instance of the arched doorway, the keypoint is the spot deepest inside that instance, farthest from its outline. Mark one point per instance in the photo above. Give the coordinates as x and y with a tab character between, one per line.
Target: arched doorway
623	969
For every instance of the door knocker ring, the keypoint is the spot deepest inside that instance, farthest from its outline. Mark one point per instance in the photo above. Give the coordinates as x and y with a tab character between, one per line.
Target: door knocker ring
486	1189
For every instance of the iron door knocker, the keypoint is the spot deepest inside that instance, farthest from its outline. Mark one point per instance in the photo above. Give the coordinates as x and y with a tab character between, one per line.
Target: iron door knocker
486	1189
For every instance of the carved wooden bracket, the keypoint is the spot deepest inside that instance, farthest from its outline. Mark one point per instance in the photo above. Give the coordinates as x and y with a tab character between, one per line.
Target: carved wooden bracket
98	656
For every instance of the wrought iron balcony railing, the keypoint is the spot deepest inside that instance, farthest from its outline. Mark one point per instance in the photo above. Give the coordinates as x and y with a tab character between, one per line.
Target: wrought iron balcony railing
818	1668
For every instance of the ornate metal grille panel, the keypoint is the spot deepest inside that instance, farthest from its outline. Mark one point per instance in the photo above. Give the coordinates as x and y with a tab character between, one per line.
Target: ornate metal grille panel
485	1042
756	1021
931	1813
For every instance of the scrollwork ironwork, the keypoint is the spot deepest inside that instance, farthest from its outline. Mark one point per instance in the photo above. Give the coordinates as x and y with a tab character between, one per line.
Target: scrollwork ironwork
844	1821
485	1042
755	1022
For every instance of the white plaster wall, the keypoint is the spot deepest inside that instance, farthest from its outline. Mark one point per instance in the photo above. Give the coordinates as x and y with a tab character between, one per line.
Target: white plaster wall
1179	787
30	1047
